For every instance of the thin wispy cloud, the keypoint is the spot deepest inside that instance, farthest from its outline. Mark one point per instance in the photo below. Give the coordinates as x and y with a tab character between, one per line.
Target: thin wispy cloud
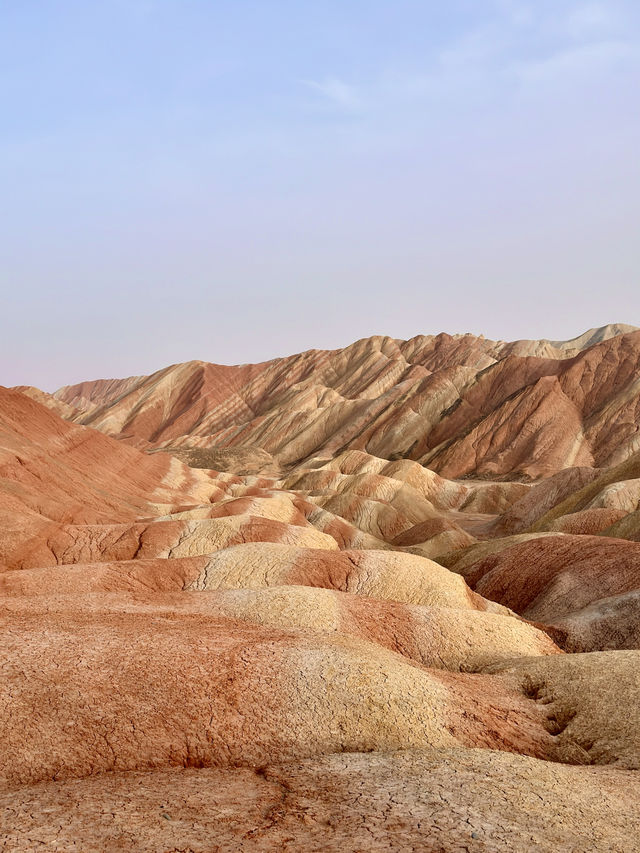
576	62
592	19
336	92
521	45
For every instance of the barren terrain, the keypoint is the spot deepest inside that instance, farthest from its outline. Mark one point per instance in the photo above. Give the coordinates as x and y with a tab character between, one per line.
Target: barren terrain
379	598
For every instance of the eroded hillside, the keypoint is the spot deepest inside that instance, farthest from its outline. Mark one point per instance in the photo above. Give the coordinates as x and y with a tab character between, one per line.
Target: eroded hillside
409	618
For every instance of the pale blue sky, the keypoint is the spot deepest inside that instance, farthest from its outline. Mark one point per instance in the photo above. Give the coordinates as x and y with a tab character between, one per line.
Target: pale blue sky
234	181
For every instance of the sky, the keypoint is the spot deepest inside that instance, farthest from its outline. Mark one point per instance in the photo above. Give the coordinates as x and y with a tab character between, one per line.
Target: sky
235	181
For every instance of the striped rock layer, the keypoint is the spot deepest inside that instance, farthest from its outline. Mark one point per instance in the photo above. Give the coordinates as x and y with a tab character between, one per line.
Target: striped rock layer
323	643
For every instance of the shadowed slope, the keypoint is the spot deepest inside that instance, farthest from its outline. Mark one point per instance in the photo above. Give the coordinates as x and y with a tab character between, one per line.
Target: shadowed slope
579	584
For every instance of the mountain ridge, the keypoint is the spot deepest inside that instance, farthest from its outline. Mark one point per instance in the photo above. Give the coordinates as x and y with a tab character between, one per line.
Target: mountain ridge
592	335
463	405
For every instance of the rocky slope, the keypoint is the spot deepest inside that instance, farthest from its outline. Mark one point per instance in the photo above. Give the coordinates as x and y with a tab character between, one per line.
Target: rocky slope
343	651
